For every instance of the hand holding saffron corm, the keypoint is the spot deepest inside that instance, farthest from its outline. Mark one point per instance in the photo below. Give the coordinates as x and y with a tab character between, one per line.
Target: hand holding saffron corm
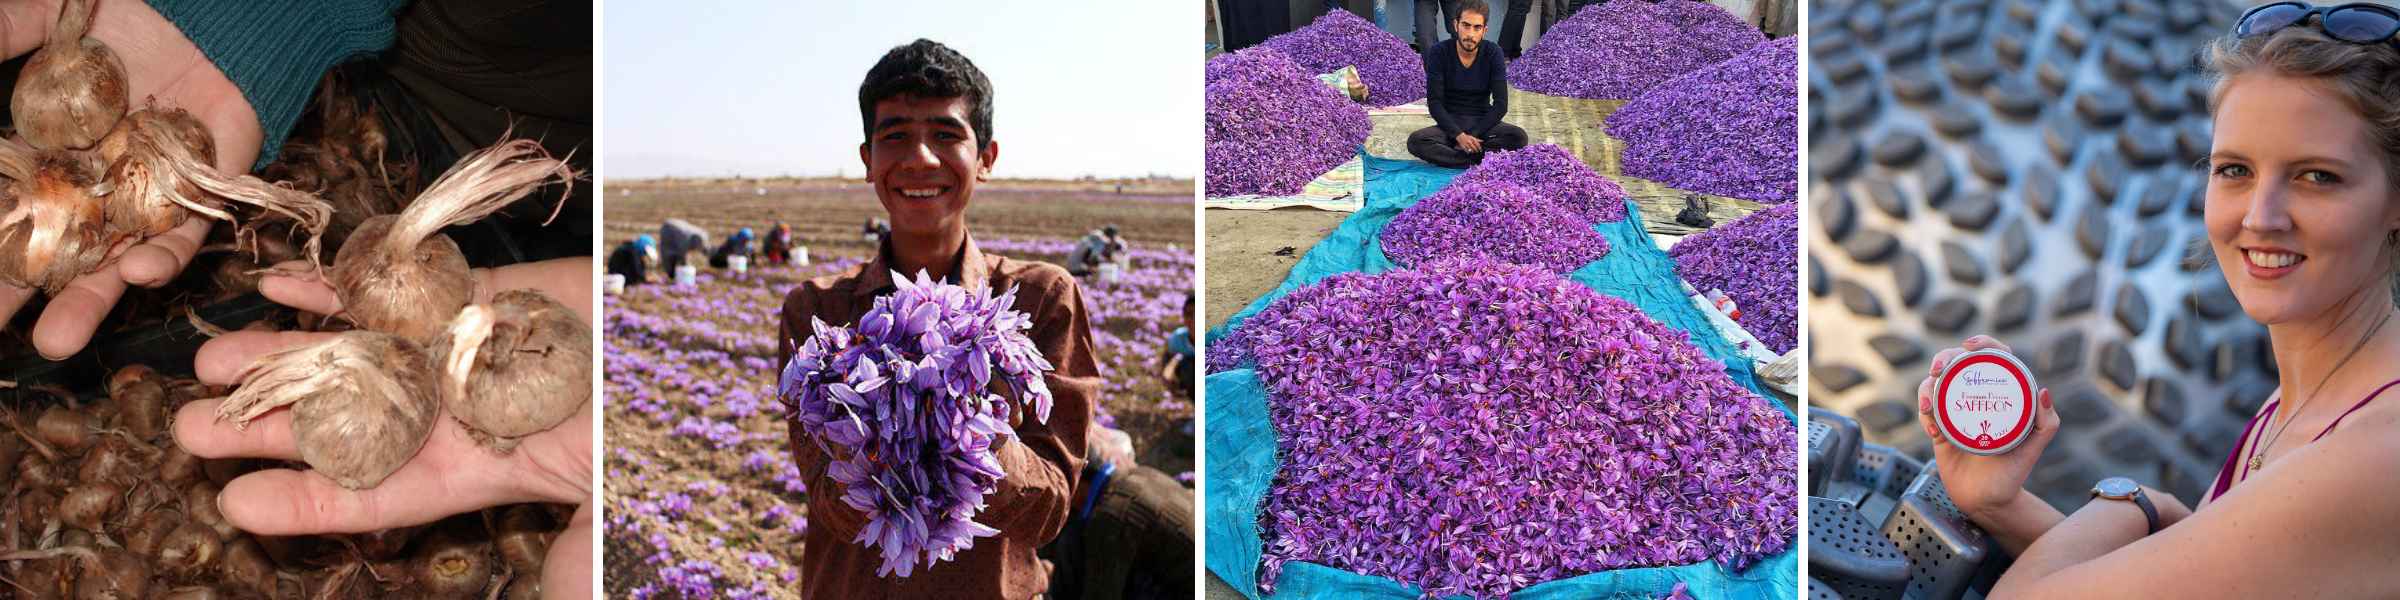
906	407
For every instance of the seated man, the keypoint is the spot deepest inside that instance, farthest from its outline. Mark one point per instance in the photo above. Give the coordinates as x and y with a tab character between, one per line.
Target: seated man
1466	87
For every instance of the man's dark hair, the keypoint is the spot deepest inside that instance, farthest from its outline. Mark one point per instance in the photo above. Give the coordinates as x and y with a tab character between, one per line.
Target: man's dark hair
1475	6
928	69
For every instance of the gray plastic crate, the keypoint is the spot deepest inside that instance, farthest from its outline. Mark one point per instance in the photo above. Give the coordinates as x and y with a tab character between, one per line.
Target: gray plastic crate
1818	590
1832	447
1849	554
1946	553
1885	473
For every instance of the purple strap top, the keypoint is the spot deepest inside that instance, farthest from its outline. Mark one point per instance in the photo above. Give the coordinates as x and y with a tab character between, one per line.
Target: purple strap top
2233	463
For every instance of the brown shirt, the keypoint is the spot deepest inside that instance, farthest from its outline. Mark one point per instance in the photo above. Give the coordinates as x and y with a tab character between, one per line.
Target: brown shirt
1042	464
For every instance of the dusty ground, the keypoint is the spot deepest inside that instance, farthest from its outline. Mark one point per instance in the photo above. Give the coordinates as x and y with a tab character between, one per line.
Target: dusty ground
1250	251
702	496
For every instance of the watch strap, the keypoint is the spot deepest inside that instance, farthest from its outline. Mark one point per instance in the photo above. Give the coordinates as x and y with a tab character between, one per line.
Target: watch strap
2149	511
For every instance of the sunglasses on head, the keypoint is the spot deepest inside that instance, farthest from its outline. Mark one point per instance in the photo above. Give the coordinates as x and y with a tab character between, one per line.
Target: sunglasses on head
2356	23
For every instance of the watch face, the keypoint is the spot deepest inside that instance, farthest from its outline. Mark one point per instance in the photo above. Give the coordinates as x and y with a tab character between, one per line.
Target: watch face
2117	487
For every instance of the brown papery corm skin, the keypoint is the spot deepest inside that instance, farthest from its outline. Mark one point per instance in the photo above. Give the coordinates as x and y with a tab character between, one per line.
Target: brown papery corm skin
362	403
397	274
515	367
73	89
52	222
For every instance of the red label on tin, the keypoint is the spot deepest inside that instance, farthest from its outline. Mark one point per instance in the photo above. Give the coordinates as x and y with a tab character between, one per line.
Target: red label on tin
1986	403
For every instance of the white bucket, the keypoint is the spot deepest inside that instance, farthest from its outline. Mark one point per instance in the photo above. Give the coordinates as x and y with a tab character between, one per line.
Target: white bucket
1109	272
800	255
738	264
687	275
613	284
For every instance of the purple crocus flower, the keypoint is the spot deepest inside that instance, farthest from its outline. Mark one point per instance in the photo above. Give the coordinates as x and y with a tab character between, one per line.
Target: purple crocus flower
909	407
1618	50
1755	260
1394	74
1732	129
1461	221
1271	127
1472	428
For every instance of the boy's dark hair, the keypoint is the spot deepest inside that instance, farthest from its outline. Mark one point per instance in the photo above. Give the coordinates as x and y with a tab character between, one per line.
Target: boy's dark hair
1475	6
1187	301
928	69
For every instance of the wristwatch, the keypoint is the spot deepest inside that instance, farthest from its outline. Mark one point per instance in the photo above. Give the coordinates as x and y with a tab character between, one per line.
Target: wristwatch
2120	488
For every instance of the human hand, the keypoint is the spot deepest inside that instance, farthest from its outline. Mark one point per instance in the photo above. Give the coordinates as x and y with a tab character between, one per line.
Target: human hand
164	68
1983	484
1112	445
1469	143
450	475
567	280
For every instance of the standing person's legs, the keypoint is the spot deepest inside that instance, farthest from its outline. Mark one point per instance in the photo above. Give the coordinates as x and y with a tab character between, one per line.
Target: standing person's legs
1513	28
1428	25
1433	146
1506	137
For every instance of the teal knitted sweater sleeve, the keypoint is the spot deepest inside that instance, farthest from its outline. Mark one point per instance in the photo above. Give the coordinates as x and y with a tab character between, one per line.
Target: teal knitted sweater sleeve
277	50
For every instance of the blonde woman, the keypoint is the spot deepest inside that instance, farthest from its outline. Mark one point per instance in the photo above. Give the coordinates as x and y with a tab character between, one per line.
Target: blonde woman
2303	217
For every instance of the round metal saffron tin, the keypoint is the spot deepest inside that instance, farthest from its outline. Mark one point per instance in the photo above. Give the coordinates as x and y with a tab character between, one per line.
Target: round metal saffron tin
1984	402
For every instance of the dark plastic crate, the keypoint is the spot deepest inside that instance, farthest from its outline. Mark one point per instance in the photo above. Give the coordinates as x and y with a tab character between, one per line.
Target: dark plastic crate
1947	554
1851	555
1832	446
1818	590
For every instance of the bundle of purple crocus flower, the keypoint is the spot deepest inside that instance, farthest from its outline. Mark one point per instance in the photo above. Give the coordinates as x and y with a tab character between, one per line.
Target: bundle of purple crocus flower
906	407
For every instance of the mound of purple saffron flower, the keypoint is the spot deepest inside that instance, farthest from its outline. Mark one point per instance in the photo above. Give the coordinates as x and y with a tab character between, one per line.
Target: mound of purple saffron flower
1394	74
1756	260
1272	127
1553	174
1496	220
1732	129
904	406
1618	50
1475	428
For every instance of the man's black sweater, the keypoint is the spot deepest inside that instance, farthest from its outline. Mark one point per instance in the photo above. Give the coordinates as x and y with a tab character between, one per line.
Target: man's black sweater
1465	98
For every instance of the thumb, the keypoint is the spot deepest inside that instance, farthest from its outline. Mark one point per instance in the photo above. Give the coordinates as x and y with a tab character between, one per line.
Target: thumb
23	25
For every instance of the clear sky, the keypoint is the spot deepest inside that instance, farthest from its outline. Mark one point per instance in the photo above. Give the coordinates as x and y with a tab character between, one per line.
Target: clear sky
1080	87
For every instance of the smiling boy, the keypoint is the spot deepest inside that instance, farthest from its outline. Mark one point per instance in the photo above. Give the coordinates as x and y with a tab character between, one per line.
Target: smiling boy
928	117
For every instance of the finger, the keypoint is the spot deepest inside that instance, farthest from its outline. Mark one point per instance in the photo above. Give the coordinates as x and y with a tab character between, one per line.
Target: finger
157	260
23	25
1984	342
1925	418
221	360
66	325
288	502
568	569
200	433
307	291
1942	360
2045	423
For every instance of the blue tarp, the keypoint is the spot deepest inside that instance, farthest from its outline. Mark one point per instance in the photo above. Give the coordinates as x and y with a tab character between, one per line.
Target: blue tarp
1242	444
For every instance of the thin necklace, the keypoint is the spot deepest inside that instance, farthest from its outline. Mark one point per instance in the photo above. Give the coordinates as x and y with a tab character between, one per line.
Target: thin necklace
2258	455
